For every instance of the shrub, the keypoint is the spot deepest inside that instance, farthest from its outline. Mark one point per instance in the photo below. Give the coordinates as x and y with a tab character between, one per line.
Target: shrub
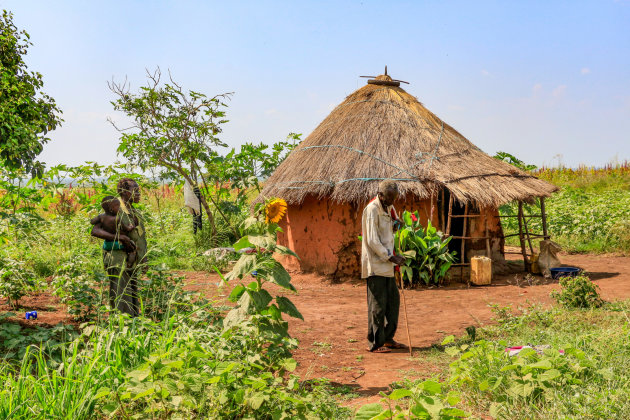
16	280
79	287
578	292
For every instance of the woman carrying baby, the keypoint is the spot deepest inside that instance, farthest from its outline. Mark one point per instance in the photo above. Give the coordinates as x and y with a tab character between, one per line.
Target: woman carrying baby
123	271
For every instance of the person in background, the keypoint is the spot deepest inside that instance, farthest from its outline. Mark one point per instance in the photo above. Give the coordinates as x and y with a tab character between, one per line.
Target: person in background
377	266
192	200
123	276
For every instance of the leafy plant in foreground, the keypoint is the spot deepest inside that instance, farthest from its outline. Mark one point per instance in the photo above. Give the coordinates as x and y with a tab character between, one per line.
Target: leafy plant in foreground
16	280
578	292
423	400
425	250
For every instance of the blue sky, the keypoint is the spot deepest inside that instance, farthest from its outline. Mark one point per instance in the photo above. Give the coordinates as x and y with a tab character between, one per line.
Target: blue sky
548	81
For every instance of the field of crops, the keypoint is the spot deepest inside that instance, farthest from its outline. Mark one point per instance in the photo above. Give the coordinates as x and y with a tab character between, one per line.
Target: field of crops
591	213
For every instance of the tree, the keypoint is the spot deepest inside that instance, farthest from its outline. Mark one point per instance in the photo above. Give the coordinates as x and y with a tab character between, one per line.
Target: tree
171	128
26	114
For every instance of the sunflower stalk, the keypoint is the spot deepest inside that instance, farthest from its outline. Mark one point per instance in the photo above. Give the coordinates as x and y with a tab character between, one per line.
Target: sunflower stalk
254	302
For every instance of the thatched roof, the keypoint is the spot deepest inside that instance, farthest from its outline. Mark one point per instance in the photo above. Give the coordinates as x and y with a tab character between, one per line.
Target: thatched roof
382	132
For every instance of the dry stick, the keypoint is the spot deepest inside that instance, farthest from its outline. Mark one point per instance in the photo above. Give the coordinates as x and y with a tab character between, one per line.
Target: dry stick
543	214
520	236
402	293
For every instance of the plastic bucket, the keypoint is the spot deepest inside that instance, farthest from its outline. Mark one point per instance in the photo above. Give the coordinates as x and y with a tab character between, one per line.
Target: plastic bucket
558	272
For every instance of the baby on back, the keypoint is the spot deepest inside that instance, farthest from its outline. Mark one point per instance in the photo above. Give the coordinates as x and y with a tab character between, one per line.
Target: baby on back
109	221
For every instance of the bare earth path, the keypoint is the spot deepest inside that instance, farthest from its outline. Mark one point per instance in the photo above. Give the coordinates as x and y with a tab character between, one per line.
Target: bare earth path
332	336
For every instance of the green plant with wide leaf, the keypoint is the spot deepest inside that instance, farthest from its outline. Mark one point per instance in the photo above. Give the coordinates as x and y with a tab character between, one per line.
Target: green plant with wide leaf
425	249
257	264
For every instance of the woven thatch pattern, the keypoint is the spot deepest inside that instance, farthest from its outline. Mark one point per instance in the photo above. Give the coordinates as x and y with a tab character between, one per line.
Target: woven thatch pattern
382	132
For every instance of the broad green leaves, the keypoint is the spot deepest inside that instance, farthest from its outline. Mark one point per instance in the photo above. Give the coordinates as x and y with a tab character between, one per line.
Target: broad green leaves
426	253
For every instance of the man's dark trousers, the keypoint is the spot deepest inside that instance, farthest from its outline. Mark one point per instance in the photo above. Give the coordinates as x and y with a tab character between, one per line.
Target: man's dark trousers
383	304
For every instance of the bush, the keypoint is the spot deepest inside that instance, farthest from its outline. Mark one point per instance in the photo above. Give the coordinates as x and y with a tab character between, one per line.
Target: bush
79	288
578	292
16	280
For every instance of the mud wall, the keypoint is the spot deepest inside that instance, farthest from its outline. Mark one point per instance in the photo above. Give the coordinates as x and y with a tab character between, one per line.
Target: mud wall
325	234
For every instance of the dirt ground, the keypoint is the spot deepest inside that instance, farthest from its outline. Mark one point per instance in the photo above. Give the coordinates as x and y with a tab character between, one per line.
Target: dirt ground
332	335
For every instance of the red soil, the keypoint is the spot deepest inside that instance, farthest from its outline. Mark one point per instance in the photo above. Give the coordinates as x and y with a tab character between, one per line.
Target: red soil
332	335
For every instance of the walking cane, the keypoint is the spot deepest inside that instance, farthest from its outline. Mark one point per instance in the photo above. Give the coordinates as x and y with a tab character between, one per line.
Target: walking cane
402	293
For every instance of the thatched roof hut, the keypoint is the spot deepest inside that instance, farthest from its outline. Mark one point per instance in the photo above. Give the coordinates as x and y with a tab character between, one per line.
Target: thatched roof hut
382	132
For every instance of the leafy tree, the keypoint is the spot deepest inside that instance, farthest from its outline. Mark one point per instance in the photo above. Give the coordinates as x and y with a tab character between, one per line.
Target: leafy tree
171	128
26	114
513	160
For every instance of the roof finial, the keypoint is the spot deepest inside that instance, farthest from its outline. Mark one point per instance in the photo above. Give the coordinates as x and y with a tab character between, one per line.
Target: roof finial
385	70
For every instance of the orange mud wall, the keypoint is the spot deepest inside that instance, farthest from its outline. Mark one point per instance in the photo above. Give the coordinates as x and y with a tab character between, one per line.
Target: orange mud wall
325	234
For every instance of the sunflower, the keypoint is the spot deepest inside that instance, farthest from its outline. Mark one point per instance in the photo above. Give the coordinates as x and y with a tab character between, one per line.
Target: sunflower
275	209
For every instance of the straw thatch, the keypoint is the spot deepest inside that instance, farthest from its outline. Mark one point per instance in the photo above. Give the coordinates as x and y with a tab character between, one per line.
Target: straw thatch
382	132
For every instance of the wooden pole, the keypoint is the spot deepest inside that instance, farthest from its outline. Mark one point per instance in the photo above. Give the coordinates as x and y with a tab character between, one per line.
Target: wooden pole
543	214
402	294
432	206
488	250
442	224
463	255
520	236
450	211
529	240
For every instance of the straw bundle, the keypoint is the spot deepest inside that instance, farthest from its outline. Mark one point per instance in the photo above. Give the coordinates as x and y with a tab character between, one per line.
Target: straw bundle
382	132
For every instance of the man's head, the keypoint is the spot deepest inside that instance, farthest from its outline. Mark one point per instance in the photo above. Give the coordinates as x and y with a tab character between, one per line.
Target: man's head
110	205
387	192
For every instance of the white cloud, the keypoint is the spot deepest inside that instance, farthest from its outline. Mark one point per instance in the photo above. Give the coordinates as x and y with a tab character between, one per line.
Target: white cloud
559	91
585	70
485	72
537	88
271	111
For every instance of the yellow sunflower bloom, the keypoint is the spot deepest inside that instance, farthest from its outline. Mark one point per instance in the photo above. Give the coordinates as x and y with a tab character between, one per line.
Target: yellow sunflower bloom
275	209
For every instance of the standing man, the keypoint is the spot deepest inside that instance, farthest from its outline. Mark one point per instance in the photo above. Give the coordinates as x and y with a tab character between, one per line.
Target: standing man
377	266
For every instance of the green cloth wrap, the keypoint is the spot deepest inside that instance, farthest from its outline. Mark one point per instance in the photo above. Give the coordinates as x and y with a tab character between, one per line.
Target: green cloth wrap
112	246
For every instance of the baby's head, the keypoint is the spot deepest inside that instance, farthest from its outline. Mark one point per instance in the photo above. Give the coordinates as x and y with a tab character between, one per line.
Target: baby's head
111	205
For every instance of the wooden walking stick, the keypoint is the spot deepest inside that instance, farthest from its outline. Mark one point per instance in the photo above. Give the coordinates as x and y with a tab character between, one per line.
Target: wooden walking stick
402	293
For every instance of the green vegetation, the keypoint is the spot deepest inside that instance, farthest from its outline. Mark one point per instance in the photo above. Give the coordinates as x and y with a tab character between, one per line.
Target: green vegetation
577	368
588	214
426	253
578	292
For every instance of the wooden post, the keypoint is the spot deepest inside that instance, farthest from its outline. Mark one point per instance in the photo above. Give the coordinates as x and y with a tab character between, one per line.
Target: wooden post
463	255
520	236
432	206
488	250
543	214
529	240
442	224
450	211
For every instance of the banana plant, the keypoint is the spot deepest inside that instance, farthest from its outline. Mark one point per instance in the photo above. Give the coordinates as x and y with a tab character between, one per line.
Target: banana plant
425	250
